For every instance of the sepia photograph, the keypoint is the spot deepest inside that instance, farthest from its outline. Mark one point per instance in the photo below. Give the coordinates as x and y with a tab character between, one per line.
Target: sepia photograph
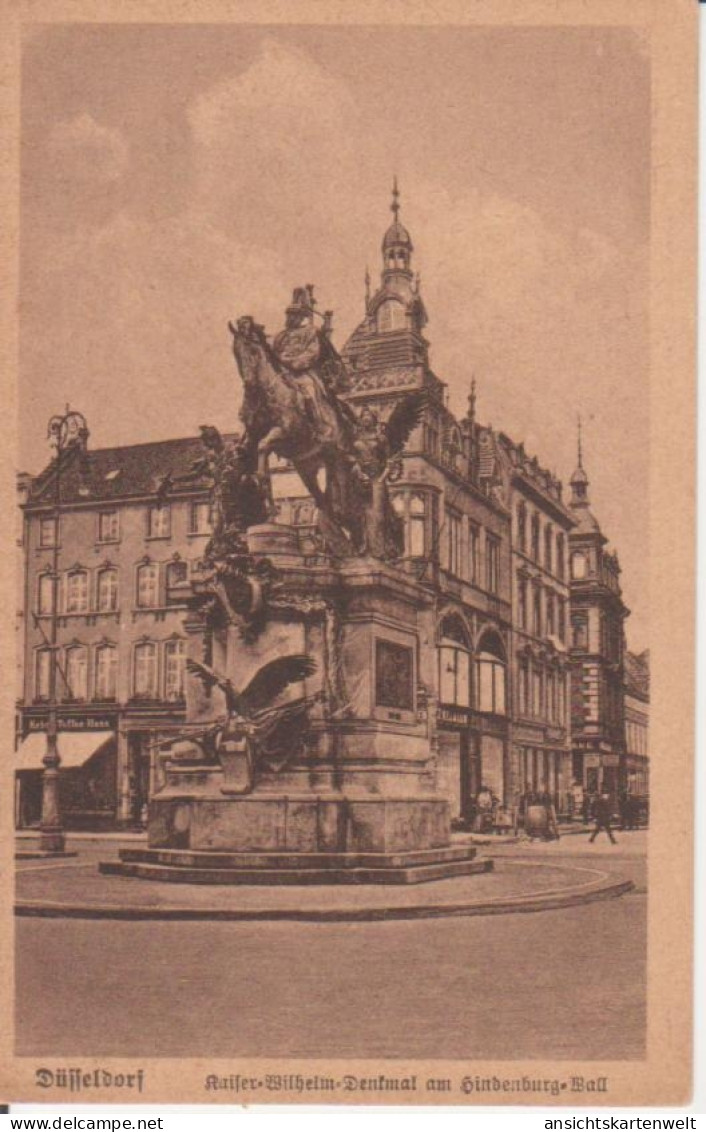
350	753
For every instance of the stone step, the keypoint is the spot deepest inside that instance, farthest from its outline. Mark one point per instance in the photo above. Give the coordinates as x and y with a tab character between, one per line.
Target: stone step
187	858
415	874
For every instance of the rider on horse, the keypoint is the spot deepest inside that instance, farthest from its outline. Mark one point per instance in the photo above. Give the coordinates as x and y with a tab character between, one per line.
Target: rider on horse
307	353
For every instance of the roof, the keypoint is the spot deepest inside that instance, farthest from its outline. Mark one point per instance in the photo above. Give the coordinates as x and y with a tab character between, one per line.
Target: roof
586	521
396	234
637	672
117	473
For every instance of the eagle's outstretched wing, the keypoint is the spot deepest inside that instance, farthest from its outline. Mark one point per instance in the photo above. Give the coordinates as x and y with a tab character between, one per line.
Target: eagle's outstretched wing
403	419
211	679
273	678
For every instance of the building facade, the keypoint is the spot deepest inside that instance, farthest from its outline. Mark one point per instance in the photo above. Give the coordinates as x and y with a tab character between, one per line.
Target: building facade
486	530
637	722
598	616
122	548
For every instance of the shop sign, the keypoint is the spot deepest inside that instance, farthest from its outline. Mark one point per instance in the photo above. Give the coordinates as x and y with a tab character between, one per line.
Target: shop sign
73	723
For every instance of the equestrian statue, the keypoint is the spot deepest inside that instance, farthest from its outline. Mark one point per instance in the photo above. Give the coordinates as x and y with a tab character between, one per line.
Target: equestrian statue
292	408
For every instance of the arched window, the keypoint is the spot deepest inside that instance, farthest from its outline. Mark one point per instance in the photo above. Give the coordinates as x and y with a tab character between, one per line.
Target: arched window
174	665
42	676
77	591
76	669
147	585
522	527
578	564
454	664
548	546
106	670
560	565
490	675
45	594
145	671
107	589
391	316
535	537
177	574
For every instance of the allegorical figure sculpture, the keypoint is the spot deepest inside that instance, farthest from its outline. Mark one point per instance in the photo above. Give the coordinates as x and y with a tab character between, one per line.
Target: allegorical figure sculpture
261	734
377	449
238	497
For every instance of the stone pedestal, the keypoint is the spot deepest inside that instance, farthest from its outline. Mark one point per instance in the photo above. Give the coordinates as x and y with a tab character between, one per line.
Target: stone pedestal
361	785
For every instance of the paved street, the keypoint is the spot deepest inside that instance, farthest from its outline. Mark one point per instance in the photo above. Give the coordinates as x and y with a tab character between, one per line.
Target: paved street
566	983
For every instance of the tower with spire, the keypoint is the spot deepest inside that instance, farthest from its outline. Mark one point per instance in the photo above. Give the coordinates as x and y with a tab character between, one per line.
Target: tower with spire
597	643
388	349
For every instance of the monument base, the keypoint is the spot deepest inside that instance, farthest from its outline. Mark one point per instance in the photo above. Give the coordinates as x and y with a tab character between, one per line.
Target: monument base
288	839
298	823
187	867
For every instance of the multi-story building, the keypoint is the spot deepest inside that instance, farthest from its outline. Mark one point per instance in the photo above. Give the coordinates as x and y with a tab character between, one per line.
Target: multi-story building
597	652
122	547
637	722
485	529
541	523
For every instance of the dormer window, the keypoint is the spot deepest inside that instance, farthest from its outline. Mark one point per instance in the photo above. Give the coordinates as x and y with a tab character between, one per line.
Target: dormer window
391	316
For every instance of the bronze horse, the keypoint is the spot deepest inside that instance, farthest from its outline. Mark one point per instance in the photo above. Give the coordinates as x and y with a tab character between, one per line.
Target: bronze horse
274	412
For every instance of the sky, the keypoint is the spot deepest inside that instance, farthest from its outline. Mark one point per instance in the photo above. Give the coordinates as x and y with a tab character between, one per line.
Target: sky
175	177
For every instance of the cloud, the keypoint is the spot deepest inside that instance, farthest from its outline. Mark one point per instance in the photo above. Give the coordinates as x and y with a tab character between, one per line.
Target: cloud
85	150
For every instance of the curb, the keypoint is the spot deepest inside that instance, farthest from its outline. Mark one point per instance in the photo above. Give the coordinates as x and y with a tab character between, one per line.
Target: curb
545	903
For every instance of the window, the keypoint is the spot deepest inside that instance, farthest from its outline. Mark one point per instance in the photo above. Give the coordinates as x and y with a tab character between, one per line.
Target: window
145	671
455	550
200	519
562	618
431	437
552	703
535	537
536	707
579	633
522	601
107	589
548	546
522	527
454	664
42	678
174	665
147	585
551	626
490	676
578	565
474	552
492	572
77	592
537	611
523	687
48	534
77	672
391	316
160	521
108	526
45	594
417	526
106	670
560	565
177	573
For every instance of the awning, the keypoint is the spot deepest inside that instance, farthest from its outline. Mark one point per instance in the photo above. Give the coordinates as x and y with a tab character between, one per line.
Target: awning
75	748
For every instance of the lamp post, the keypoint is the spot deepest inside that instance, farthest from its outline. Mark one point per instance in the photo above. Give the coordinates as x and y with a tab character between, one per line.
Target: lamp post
66	431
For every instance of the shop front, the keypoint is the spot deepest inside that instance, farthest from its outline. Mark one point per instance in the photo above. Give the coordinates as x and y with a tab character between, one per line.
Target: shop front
87	777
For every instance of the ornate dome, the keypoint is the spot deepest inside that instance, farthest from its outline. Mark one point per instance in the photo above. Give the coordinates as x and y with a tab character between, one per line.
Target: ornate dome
397	236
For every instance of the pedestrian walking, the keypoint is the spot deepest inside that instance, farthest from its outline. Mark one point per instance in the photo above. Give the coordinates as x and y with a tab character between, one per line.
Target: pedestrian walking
603	812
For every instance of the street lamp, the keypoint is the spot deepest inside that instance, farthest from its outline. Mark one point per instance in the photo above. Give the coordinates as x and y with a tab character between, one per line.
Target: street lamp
64	432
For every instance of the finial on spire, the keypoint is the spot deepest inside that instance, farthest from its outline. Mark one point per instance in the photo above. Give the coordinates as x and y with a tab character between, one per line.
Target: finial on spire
395	206
579	441
471	414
